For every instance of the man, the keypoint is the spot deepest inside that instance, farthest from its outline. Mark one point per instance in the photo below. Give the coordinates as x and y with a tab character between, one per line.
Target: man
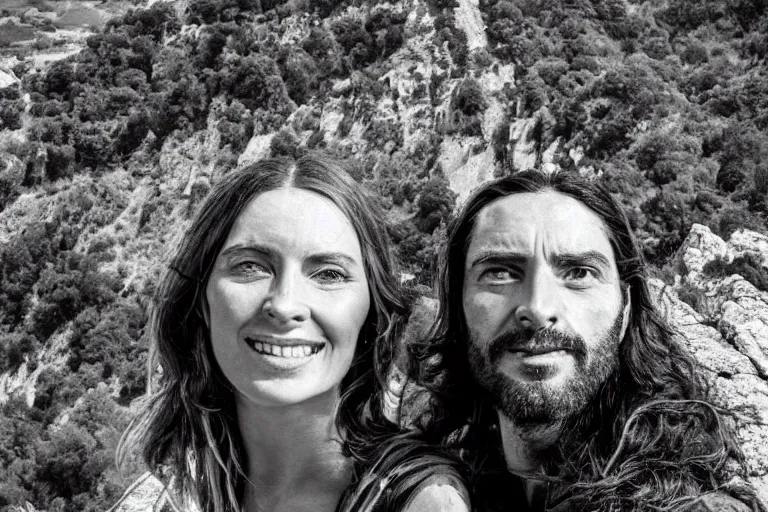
580	398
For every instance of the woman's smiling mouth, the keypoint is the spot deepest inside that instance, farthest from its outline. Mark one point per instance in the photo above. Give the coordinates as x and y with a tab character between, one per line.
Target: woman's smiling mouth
285	348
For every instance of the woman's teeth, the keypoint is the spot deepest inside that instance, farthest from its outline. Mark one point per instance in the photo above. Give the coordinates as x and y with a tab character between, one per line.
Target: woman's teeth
285	351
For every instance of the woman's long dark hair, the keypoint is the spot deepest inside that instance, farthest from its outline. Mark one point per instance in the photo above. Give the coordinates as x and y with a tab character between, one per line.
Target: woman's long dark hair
649	441
188	425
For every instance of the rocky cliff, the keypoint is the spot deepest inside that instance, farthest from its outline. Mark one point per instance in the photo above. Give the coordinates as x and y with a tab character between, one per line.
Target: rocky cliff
726	328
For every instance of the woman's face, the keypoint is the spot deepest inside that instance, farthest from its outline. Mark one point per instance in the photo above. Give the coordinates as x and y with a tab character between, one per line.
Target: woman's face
287	298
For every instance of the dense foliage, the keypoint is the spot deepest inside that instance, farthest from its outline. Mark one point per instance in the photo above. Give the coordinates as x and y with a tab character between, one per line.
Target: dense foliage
668	101
665	102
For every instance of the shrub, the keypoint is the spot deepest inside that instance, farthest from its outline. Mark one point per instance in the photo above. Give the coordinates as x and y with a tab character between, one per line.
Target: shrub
60	162
691	295
734	218
730	177
468	98
132	132
14	347
68	288
694	52
284	143
300	74
94	146
256	82
749	266
356	42
744	152
761	178
10	114
435	204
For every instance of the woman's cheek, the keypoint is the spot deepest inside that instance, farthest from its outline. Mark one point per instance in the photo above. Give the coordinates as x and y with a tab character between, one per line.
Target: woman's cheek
342	317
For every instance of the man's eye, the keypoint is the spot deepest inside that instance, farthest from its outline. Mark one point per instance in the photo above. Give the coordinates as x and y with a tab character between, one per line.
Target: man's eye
497	274
331	276
579	274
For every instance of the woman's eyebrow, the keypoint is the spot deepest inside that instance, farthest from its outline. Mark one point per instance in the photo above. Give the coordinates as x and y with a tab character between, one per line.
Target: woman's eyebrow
255	248
339	258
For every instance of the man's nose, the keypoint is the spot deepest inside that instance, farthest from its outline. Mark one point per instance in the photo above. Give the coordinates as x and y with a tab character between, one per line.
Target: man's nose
540	304
286	302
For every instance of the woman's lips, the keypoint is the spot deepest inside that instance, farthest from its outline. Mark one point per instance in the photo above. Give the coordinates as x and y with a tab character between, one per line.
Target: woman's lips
292	348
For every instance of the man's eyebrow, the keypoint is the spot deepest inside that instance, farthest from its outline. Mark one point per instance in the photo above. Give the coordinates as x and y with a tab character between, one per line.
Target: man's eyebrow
503	257
581	258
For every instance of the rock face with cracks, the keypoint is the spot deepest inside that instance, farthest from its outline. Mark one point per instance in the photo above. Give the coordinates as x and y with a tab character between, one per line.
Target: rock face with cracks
727	332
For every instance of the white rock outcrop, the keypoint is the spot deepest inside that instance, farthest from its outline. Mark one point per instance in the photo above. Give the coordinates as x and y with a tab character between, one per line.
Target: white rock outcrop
468	17
727	332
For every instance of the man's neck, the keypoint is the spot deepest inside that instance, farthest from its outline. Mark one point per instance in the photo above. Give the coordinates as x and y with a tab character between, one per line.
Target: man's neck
525	447
527	450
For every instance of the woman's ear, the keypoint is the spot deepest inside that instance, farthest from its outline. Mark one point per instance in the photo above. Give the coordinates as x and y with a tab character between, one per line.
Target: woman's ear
627	311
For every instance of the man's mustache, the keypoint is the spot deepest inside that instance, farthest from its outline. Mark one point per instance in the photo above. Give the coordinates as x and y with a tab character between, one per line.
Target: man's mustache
546	339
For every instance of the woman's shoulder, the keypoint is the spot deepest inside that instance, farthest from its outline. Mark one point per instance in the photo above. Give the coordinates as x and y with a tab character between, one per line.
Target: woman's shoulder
439	493
150	492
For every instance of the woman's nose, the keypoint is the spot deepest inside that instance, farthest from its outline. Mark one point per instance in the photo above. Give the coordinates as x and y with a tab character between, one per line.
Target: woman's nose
286	303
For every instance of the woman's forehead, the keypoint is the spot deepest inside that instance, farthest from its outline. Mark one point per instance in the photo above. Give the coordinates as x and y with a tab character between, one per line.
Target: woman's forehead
294	218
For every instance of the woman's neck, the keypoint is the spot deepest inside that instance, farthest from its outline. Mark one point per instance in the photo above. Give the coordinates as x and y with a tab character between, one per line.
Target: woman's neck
293	455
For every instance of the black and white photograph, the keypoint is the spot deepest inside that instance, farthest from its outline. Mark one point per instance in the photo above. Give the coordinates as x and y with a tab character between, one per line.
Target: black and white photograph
383	256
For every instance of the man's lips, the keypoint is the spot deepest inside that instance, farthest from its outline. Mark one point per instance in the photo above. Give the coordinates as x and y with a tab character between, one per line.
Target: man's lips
529	343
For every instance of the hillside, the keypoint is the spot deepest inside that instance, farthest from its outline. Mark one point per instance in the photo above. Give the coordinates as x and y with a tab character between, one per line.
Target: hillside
105	154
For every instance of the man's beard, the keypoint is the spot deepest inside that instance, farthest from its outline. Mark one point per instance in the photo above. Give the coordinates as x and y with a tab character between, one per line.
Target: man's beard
537	402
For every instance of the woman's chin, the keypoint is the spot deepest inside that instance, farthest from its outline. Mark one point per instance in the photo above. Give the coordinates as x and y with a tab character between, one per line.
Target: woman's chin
289	392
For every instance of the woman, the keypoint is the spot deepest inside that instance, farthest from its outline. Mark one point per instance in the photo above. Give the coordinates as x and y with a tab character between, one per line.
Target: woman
274	327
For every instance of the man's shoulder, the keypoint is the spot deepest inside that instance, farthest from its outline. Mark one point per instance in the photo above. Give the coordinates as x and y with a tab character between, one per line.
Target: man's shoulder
711	502
719	502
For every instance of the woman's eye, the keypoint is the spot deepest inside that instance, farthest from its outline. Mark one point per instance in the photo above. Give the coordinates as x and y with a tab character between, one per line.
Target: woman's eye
331	276
250	268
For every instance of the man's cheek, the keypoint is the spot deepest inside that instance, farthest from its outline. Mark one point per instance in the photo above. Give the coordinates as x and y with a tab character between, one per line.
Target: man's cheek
482	309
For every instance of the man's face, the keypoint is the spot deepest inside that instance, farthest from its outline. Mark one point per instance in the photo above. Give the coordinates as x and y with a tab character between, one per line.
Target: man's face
543	305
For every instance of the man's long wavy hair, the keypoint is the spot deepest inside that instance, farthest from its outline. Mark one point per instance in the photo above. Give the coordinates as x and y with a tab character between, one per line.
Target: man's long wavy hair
650	440
187	430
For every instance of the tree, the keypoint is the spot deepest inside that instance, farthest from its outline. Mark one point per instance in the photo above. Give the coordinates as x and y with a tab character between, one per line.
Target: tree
60	162
10	114
300	74
434	205
58	78
61	462
73	284
745	150
132	132
468	98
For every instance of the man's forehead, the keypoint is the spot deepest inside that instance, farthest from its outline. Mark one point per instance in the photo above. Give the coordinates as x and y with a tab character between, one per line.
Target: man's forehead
519	221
